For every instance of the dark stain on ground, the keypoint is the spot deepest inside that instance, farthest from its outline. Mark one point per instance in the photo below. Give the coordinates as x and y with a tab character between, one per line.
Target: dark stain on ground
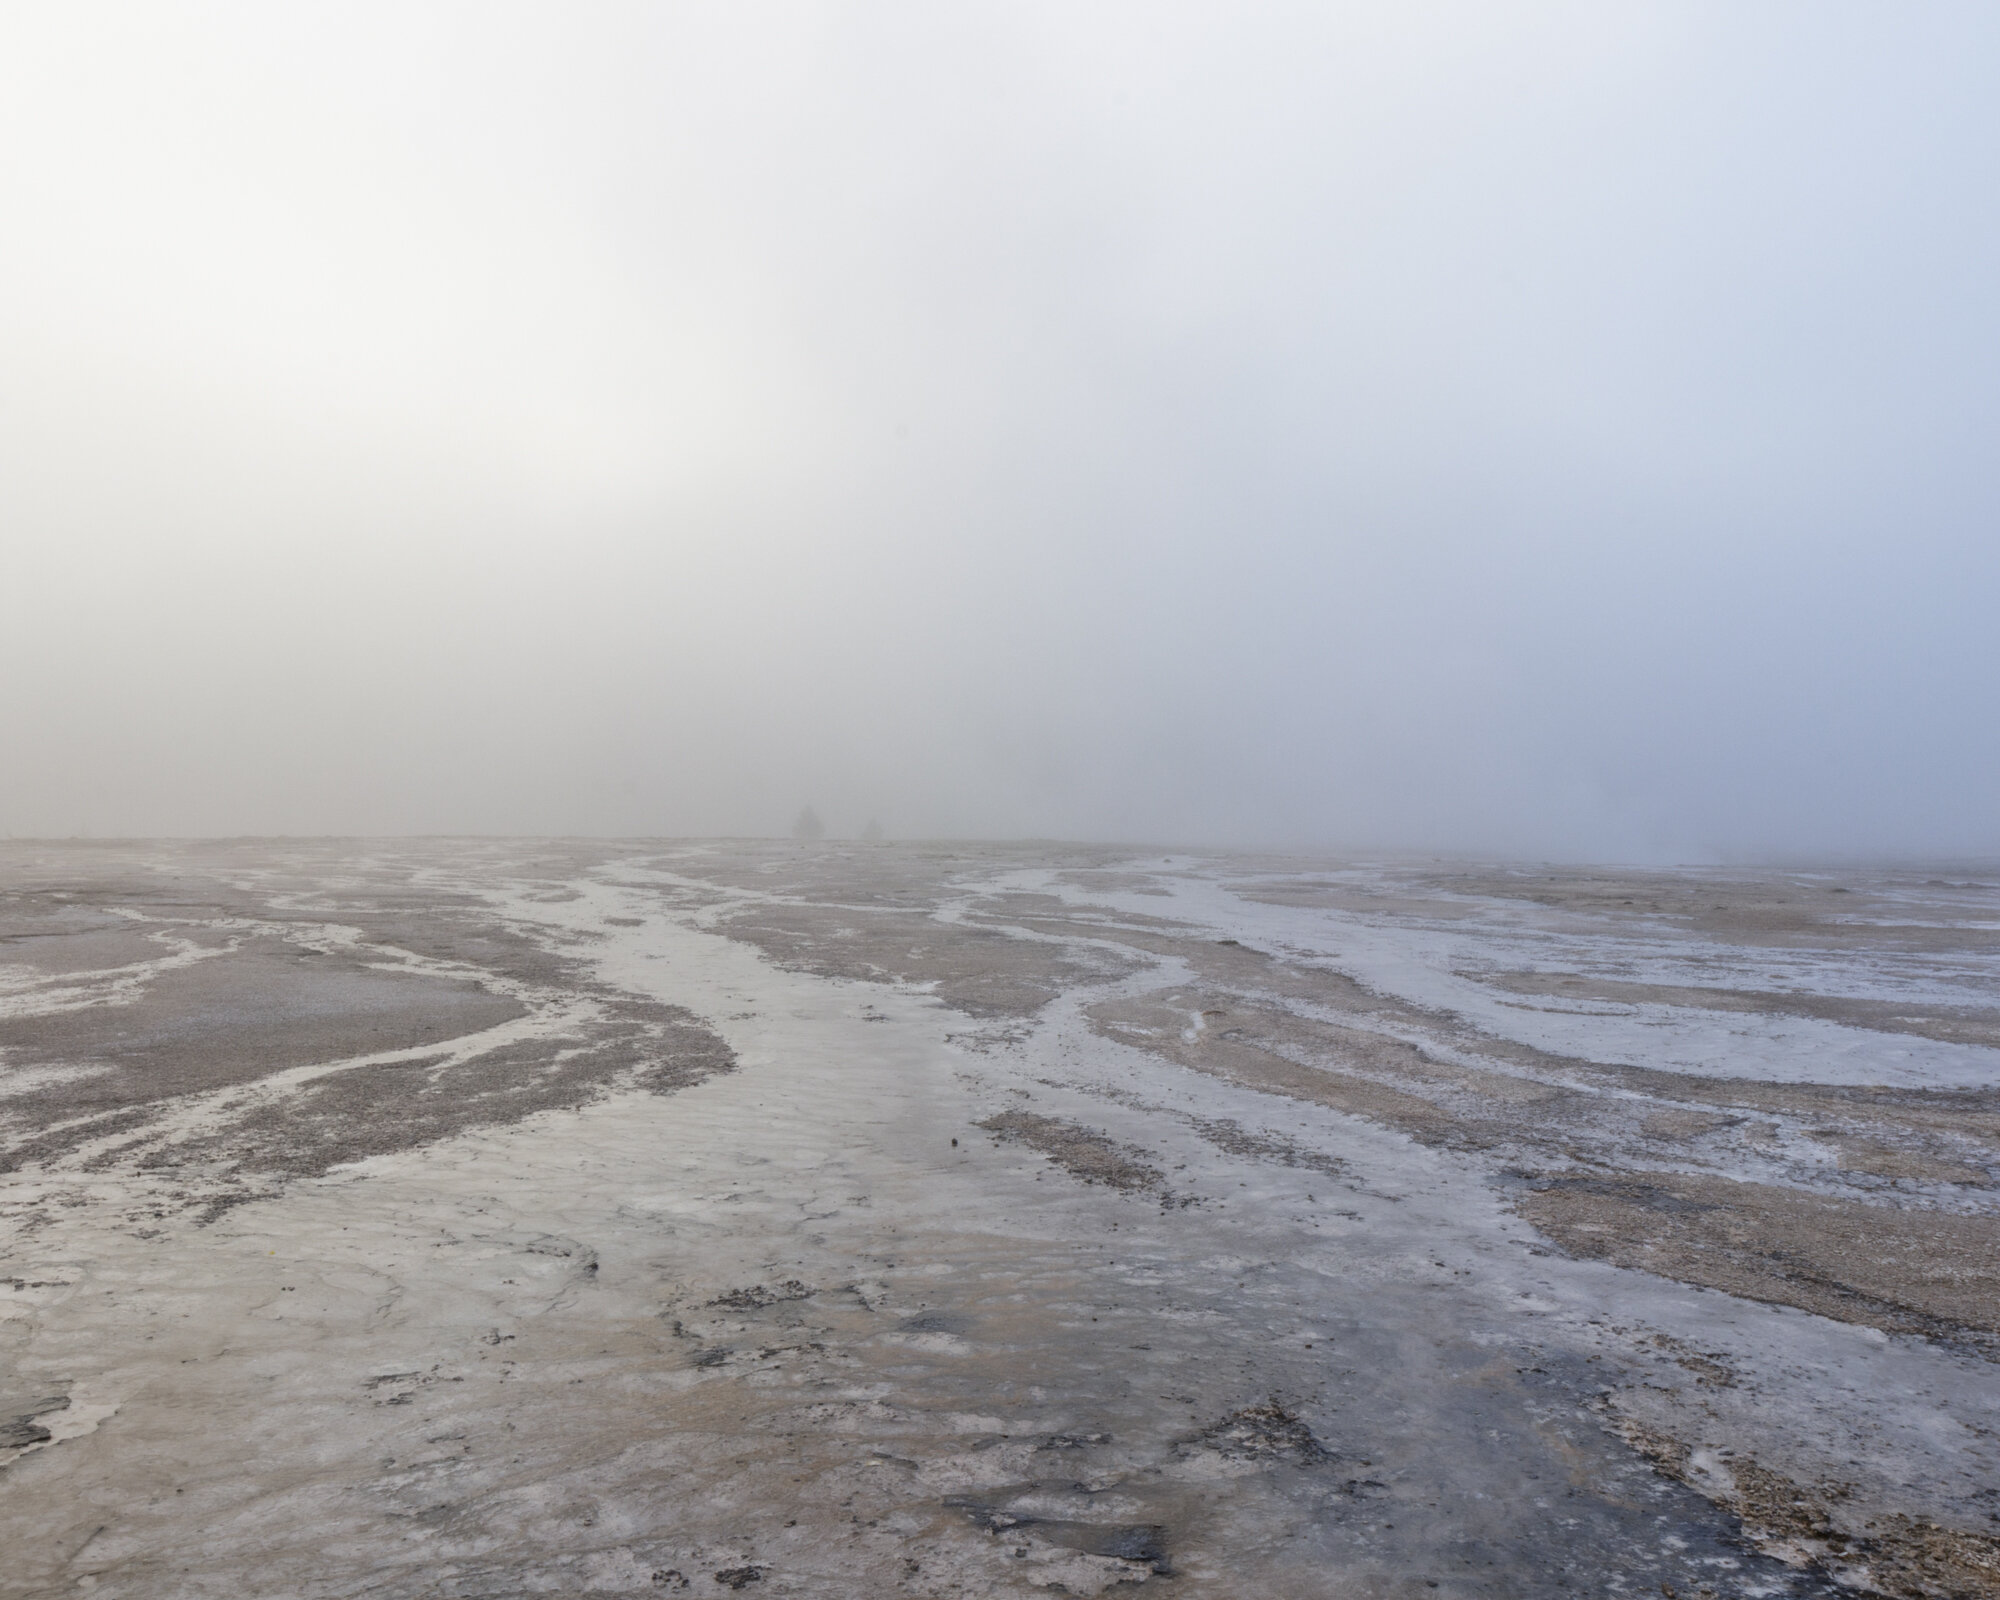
1144	1543
933	1322
20	1426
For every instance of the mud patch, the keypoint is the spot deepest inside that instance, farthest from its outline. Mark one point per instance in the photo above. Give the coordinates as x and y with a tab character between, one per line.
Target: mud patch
1236	1140
259	1009
1259	1047
756	1297
365	1111
1143	1544
1264	1434
21	1427
1922	1272
1081	1152
1899	1162
1811	1525
264	1057
1946	1024
982	972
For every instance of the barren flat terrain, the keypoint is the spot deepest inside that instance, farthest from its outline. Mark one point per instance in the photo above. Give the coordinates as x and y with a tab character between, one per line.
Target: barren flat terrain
508	1218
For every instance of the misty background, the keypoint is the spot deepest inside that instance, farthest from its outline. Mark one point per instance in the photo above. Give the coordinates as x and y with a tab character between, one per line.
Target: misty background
1561	429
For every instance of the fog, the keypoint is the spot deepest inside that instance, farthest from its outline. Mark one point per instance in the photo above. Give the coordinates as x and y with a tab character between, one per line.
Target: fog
1560	430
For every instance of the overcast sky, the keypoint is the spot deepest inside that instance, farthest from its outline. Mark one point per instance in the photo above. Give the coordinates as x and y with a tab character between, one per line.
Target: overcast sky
1559	430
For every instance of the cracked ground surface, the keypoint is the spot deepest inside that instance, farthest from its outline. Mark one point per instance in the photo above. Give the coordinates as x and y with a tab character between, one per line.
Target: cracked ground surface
498	1218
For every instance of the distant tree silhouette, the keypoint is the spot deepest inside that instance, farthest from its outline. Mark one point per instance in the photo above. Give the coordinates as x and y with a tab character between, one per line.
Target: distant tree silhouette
872	834
809	826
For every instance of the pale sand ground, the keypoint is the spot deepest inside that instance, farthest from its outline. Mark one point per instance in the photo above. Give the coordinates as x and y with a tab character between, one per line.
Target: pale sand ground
497	1219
